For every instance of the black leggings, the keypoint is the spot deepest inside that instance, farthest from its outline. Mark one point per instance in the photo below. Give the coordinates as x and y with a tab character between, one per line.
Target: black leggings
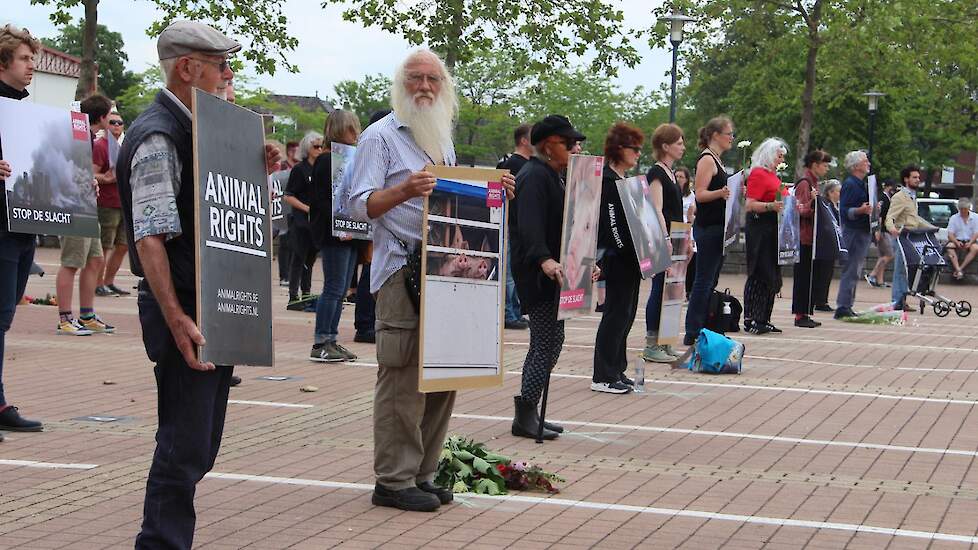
802	291
758	300
546	341
611	341
303	258
822	271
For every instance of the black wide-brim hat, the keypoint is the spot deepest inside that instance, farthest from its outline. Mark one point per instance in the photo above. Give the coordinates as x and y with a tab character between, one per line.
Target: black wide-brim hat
554	125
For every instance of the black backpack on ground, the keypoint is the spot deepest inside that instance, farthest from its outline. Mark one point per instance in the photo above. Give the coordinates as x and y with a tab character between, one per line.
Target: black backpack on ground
716	319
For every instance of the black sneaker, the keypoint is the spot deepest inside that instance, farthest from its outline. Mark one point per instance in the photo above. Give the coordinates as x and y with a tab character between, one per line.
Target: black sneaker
103	291
807	322
444	495
844	312
12	421
626	380
755	328
518	324
411	499
824	307
235	380
772	328
365	337
599	308
118	290
610	387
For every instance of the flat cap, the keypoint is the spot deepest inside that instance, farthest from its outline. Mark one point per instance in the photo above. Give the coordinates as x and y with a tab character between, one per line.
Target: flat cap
554	125
185	37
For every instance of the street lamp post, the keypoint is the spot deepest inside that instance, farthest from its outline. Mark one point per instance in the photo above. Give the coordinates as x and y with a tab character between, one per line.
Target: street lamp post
874	103
676	23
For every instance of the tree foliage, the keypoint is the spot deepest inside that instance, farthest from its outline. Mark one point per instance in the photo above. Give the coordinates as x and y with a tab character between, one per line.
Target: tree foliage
533	32
363	98
113	77
139	95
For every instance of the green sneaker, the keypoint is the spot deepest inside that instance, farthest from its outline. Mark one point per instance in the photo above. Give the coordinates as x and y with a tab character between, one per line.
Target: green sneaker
657	354
327	353
350	356
673	352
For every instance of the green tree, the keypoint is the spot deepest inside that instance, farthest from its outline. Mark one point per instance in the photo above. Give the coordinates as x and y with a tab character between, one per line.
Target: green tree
533	32
139	95
262	22
113	78
363	98
487	85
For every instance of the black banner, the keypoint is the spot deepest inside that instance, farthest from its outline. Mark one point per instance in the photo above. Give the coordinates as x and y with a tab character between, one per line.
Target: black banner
828	233
234	244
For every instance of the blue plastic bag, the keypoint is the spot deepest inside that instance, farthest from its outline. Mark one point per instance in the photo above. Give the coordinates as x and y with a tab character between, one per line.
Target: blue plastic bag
714	353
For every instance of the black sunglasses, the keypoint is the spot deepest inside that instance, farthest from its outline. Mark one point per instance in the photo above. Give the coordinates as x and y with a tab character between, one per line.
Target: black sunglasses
636	148
317	146
116	122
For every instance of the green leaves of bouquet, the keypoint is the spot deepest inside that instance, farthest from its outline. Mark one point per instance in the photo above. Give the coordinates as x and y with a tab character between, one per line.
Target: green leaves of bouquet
466	466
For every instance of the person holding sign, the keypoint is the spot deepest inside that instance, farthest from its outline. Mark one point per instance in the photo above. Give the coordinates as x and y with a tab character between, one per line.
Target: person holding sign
298	193
156	184
17	50
389	186
764	202
668	146
855	209
535	224
806	190
903	215
712	193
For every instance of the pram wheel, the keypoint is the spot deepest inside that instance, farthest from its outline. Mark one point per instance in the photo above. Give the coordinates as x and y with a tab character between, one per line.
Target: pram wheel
963	309
942	309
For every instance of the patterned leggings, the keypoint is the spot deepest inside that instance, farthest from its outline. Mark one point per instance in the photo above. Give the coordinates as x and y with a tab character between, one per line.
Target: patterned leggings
546	341
758	300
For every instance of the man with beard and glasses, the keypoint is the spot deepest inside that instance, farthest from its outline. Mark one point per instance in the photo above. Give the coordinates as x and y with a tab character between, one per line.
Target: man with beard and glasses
388	190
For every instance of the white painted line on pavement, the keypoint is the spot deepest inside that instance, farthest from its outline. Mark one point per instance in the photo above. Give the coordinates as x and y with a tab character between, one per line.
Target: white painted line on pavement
671	512
969	402
789	340
270	404
48	465
738	435
813	362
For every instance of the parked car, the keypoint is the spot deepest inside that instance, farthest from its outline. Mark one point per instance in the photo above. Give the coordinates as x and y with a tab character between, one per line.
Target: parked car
938	212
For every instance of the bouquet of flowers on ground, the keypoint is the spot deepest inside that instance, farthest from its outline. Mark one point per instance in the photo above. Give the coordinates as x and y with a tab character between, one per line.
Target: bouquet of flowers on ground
468	467
881	314
47	300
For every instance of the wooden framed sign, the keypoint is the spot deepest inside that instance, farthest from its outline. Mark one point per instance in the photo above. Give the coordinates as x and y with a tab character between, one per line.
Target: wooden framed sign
463	291
674	287
52	188
233	228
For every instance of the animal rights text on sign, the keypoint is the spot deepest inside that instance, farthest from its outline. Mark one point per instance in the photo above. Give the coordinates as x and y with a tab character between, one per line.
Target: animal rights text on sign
52	188
280	209
234	244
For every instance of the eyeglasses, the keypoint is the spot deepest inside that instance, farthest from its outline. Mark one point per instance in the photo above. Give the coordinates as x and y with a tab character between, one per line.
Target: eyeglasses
221	65
418	78
317	146
731	134
116	122
636	148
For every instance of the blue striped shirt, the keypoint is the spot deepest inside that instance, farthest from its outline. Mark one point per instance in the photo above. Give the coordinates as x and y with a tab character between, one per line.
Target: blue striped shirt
386	156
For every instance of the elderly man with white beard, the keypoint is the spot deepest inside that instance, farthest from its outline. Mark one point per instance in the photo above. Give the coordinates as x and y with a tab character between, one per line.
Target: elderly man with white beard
388	190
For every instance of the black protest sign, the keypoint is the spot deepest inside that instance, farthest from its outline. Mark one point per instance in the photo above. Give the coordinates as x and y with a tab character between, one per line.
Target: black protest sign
828	233
234	245
52	189
280	208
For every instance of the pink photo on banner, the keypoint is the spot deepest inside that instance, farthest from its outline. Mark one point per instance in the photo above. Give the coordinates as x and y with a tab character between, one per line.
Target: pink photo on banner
598	166
571	299
79	126
645	264
494	194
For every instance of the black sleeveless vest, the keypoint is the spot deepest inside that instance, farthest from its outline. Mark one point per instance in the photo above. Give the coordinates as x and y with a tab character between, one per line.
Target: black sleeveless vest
165	117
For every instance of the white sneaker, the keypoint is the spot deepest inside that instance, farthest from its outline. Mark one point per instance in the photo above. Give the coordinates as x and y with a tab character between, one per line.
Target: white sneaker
73	328
612	387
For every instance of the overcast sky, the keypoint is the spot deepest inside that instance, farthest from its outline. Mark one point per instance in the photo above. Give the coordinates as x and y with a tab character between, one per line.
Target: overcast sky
330	49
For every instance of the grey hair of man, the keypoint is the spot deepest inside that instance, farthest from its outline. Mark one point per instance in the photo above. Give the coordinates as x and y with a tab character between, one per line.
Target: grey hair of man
307	142
431	126
166	67
853	158
766	154
339	124
828	186
964	203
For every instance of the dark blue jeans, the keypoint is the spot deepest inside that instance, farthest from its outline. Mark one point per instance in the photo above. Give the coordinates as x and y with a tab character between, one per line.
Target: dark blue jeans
653	308
365	316
338	263
709	260
191	406
16	257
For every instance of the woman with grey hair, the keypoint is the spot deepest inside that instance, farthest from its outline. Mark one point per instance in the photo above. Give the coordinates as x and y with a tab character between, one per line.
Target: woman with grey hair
298	193
763	203
822	268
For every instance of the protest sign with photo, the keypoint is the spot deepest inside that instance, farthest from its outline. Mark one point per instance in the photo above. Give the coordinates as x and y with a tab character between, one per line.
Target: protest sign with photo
462	293
579	236
280	209
341	160
674	290
51	190
233	227
648	235
872	190
734	214
827	237
113	149
789	231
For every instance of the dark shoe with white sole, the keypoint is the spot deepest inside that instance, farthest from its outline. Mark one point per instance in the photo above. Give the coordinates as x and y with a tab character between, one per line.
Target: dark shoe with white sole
411	499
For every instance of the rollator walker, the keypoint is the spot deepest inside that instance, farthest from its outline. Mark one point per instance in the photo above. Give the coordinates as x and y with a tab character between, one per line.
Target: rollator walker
924	261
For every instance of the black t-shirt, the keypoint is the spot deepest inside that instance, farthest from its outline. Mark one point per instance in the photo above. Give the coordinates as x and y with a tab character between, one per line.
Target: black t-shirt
672	195
713	212
300	187
514	163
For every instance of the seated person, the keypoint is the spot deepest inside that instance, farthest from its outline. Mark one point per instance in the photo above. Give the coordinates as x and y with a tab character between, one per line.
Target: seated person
962	237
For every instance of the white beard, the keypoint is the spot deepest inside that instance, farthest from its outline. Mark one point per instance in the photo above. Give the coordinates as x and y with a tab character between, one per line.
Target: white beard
431	125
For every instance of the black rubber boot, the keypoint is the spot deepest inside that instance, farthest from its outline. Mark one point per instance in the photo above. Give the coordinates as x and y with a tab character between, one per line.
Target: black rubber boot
553	427
526	421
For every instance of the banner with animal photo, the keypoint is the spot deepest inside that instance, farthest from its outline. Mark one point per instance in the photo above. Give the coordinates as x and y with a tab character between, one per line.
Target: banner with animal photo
233	228
674	289
827	238
789	230
51	190
579	236
463	290
341	160
733	218
872	189
648	235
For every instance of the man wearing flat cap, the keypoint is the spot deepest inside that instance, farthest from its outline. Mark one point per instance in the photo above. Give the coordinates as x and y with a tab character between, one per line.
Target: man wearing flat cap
156	182
535	224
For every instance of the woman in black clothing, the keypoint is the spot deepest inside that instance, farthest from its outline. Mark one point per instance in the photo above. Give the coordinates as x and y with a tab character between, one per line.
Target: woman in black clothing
668	146
823	268
298	193
712	193
619	265
535	224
